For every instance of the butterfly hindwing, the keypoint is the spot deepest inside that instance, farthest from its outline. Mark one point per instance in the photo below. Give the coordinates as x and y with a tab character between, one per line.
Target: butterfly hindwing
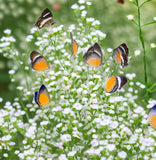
38	61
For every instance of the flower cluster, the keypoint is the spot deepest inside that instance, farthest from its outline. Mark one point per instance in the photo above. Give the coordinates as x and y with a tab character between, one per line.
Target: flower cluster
82	120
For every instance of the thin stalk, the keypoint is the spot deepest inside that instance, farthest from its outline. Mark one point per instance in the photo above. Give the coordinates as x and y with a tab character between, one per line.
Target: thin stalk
144	51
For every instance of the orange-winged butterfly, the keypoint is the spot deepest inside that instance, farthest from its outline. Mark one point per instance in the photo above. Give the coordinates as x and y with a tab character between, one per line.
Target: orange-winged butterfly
152	116
38	61
115	83
74	45
93	56
121	54
41	97
45	18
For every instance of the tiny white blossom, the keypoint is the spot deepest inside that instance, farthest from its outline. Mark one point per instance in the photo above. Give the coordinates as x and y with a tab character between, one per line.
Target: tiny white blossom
122	154
137	52
75	6
153	45
81	1
12	72
154	18
7	31
130	17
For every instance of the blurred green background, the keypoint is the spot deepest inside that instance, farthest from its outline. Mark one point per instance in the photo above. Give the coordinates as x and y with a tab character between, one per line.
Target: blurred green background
20	15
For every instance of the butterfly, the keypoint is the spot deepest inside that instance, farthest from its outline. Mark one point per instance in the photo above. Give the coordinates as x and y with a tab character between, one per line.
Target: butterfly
120	1
121	54
38	61
152	116
41	97
93	56
45	18
74	45
115	83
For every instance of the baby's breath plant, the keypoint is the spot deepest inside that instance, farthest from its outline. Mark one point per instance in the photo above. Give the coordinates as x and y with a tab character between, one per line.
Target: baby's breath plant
82	121
149	88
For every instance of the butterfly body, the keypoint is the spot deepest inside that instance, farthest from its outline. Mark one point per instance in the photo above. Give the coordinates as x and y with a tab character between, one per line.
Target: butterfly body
152	117
41	97
120	54
74	45
45	18
38	61
115	83
93	56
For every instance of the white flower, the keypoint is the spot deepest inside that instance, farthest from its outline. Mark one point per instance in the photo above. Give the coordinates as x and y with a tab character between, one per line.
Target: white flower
1	99
29	38
72	153
7	31
130	17
62	157
109	49
65	137
6	138
89	3
20	88
96	22
33	30
122	154
94	143
82	7
137	52
75	6
90	19
44	123
83	14
138	109
110	147
154	18
81	1
30	132
12	72
153	45
67	111
77	106
5	155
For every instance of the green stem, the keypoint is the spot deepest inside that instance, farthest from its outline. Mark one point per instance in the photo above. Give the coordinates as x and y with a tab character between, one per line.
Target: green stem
144	51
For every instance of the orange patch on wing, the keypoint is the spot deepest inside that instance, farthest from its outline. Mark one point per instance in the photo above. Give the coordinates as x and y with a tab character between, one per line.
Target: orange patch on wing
48	22
110	84
43	99
40	66
74	48
152	121
94	62
118	57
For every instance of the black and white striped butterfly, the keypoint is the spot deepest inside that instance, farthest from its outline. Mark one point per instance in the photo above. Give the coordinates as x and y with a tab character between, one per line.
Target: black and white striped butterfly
121	54
115	83
45	18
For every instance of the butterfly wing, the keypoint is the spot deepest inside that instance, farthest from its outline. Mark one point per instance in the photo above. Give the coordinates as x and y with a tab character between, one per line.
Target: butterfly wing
43	96
111	84
122	81
74	45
